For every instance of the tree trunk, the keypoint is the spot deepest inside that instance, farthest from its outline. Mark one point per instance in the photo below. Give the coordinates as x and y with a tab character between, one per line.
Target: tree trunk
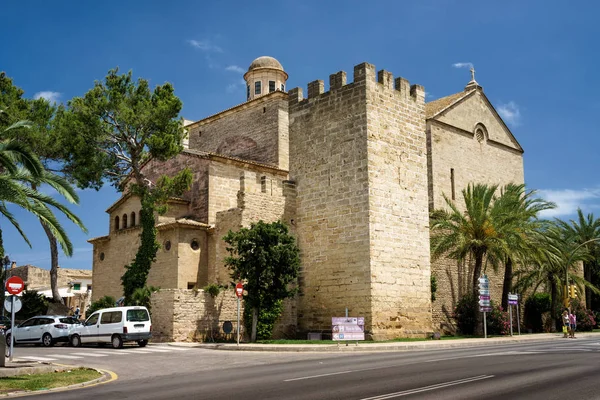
507	285
553	298
56	298
476	273
254	324
475	291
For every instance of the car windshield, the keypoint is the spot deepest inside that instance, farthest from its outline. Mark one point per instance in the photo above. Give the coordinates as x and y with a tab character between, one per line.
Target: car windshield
137	315
69	320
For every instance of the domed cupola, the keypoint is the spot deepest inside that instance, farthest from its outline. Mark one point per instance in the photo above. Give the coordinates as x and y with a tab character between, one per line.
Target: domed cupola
265	75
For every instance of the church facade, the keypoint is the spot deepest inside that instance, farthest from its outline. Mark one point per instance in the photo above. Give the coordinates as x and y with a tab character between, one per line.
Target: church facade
353	171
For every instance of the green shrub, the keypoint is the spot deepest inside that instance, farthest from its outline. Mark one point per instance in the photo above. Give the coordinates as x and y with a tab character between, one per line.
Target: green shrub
535	306
433	281
465	314
585	318
104	302
213	289
266	320
498	322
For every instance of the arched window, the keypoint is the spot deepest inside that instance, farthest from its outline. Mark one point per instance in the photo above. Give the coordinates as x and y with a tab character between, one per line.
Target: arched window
132	218
117	223
480	133
124	221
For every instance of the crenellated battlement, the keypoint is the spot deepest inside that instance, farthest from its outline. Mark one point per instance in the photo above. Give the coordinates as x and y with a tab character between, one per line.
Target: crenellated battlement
364	74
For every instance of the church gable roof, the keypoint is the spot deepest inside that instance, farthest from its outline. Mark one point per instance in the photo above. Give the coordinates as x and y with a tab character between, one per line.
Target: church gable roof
436	106
465	110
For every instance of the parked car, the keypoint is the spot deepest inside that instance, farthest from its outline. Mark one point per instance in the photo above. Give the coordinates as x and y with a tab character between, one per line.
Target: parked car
44	329
114	325
4	322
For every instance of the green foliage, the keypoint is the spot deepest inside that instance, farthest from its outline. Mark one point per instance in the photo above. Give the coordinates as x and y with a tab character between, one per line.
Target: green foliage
116	126
433	281
213	289
266	257
535	306
152	200
266	320
33	304
104	302
586	320
498	322
465	314
142	296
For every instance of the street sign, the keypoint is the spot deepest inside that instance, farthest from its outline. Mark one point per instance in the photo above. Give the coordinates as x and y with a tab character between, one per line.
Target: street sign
484	294
239	289
8	304
513	299
348	328
14	285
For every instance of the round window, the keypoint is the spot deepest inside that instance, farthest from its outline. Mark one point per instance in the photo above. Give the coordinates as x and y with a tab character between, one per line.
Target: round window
101	256
168	245
195	245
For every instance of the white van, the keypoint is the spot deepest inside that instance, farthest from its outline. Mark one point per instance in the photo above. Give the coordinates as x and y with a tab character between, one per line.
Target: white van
114	325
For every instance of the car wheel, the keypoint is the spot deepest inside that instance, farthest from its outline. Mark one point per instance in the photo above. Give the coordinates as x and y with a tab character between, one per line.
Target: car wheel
75	341
117	342
8	340
47	340
142	343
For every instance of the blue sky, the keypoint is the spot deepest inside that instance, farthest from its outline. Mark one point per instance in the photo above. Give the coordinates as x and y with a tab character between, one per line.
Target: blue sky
537	62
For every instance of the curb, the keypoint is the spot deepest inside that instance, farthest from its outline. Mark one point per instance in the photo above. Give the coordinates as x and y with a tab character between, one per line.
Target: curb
374	347
107	376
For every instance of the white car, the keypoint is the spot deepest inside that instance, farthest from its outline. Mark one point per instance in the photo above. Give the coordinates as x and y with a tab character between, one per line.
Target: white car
114	325
44	329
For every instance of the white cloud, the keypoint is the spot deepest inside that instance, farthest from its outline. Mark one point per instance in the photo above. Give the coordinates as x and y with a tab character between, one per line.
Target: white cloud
52	97
463	65
235	68
205	45
569	200
510	113
236	86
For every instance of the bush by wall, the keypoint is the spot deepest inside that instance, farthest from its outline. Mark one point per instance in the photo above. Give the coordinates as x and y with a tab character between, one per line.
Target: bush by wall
535	306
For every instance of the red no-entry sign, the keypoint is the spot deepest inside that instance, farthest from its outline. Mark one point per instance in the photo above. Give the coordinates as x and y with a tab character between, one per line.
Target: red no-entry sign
14	285
239	289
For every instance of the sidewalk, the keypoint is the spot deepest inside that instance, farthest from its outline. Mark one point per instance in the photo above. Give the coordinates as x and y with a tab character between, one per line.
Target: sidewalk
387	346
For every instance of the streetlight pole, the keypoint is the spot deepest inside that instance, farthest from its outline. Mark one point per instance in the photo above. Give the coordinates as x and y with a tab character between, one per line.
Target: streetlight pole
567	301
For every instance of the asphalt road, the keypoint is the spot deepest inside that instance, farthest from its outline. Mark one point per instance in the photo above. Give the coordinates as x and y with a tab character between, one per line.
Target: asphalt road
555	369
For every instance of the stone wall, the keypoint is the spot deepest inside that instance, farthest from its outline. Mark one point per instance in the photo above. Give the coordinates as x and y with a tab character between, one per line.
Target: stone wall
251	131
193	315
357	154
198	193
328	162
398	207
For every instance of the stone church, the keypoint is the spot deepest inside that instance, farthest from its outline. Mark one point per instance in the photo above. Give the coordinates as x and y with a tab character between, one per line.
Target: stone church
353	171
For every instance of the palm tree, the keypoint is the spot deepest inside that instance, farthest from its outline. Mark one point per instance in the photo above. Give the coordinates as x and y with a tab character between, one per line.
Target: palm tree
20	172
555	250
473	232
586	231
515	213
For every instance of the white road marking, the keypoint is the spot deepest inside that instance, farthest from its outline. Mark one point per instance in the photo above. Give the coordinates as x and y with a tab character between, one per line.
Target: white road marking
39	358
90	354
318	376
178	348
153	349
428	388
64	356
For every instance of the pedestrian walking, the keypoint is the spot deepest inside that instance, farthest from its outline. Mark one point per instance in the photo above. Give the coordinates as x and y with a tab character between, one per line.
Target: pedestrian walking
572	324
77	311
565	321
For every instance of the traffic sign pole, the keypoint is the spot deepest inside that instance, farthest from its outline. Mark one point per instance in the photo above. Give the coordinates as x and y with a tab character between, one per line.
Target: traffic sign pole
12	326
239	292
510	317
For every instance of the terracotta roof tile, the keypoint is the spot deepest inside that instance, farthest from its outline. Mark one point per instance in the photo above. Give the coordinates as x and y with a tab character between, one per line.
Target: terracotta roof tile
434	107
